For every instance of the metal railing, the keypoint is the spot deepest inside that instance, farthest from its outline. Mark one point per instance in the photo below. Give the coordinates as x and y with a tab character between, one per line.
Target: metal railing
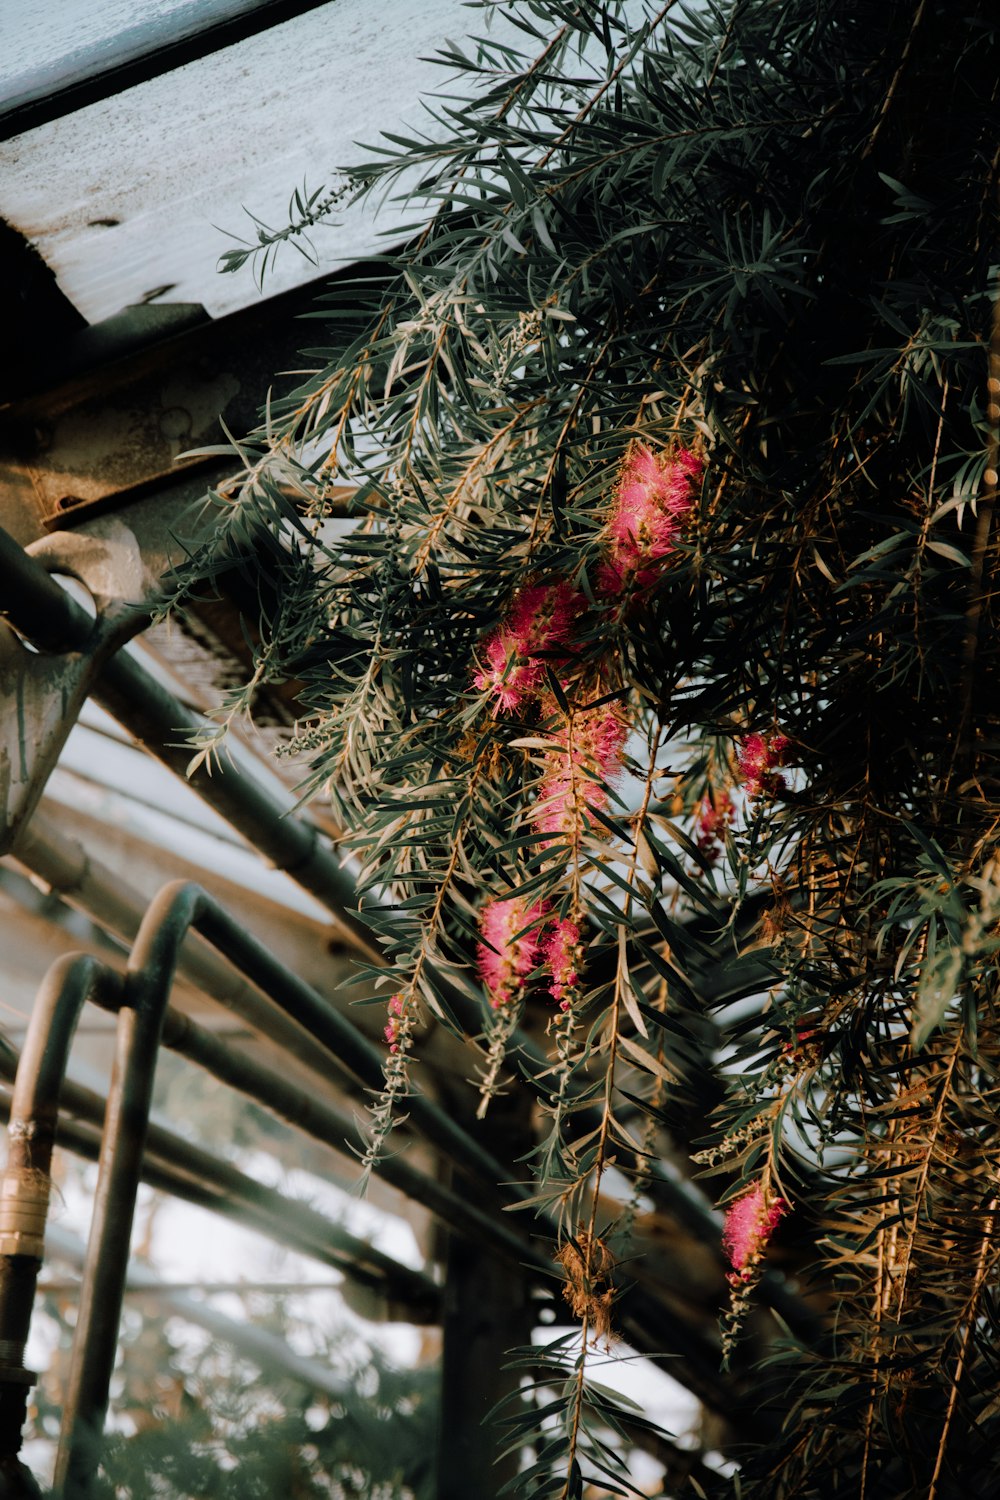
47	616
141	1000
43	612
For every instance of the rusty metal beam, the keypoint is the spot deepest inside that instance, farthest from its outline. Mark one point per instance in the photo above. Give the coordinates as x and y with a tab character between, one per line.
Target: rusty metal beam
101	419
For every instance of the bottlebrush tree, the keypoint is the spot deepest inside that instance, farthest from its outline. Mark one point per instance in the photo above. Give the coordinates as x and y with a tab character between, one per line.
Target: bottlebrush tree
656	675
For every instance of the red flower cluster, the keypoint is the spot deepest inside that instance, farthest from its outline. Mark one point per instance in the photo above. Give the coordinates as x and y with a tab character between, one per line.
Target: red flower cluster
750	1223
541	620
391	1032
561	950
714	814
652	498
515	943
758	756
586	753
511	948
655	493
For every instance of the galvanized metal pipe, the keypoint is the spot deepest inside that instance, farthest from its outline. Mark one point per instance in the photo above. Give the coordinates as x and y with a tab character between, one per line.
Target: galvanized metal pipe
82	880
36	605
178	908
178	1167
324	1123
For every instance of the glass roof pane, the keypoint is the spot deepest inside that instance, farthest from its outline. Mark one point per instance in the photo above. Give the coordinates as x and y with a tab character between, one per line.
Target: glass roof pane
127	198
41	43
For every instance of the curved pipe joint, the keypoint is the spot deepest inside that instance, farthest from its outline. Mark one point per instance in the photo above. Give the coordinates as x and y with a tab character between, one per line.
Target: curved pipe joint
25	1185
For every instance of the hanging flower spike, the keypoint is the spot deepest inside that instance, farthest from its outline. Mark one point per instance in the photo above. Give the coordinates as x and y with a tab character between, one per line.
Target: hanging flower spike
540	621
713	817
561	951
655	494
391	1032
581	760
511	947
758	756
749	1225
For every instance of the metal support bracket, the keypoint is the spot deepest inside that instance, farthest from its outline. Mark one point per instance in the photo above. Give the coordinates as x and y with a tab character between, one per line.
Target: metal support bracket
44	691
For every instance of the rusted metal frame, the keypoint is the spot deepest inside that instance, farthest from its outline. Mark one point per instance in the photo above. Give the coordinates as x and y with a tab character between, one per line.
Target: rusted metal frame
214	975
220	929
178	908
39	1087
142	1012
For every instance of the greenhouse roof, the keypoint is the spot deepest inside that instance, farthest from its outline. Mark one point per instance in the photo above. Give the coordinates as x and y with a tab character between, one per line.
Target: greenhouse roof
132	197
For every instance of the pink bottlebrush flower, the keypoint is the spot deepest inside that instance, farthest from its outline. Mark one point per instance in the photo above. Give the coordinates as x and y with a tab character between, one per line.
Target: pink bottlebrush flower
714	814
543	616
511	946
561	951
540	621
749	1225
578	764
391	1032
758	756
807	1044
653	497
